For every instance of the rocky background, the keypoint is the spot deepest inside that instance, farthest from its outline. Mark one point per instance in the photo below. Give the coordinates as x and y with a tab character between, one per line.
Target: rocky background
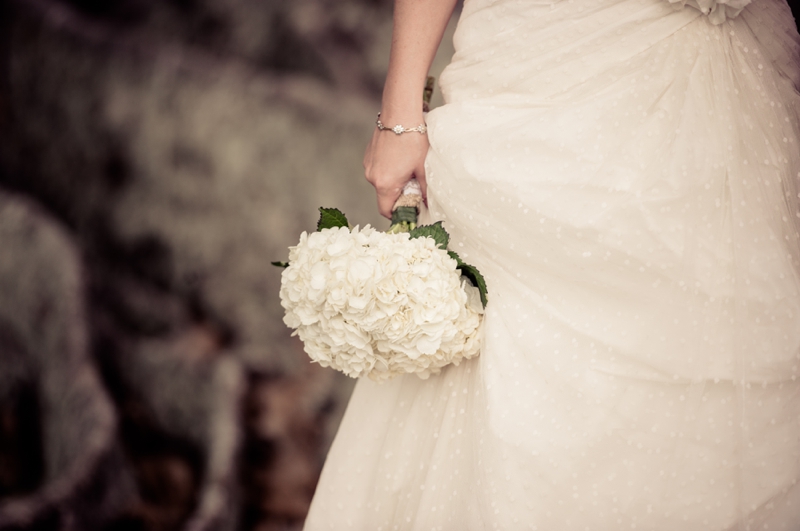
155	156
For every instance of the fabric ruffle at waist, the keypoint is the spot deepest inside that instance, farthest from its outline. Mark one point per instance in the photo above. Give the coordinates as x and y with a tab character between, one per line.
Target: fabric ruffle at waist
645	170
718	11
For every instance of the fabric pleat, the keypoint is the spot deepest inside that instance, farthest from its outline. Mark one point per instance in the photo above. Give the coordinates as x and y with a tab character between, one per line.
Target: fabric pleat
625	175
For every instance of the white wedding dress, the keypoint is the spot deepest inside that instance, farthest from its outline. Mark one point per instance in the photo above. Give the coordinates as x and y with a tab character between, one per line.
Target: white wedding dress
625	174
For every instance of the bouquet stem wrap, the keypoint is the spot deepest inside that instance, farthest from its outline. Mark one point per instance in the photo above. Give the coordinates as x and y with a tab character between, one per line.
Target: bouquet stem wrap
406	208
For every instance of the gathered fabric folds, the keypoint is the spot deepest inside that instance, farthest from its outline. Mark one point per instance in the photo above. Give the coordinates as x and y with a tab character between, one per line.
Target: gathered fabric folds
625	175
718	11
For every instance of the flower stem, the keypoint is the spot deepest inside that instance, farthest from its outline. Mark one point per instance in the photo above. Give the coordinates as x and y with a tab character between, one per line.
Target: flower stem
404	219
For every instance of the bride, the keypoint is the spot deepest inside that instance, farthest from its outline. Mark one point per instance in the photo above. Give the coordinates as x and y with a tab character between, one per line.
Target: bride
625	174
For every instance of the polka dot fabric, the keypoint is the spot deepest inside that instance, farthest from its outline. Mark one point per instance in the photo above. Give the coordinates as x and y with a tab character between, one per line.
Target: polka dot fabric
625	175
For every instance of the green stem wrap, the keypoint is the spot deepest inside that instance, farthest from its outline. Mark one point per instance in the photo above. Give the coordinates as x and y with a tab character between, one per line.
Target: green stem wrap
406	208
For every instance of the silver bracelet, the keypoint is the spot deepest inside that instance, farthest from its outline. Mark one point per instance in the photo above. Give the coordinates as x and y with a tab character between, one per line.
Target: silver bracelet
399	129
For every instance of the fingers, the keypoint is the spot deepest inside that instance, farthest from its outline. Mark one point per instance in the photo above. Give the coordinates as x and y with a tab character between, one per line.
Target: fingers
419	174
390	162
388	187
386	201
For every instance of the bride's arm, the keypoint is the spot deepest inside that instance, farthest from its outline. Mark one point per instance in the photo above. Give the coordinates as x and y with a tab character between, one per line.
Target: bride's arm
391	160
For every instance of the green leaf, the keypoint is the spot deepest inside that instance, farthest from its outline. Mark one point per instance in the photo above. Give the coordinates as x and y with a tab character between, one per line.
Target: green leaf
280	264
435	231
330	218
474	276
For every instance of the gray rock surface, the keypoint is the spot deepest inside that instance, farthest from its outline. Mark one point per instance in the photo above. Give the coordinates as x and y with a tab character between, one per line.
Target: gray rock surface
44	358
183	145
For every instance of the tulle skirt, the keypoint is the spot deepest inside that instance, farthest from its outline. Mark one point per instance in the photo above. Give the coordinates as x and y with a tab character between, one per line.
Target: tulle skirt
625	174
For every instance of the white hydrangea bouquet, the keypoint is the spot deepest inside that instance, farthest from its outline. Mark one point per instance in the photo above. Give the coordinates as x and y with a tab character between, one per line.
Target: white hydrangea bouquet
382	304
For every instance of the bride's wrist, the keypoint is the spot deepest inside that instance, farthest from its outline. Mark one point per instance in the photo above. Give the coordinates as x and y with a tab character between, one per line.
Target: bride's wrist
406	115
402	106
408	118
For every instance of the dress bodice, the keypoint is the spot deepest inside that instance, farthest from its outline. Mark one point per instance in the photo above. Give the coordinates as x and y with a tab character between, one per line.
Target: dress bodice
535	52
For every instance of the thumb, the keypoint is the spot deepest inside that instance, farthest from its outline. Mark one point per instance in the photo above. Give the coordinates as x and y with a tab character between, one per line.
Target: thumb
419	174
386	201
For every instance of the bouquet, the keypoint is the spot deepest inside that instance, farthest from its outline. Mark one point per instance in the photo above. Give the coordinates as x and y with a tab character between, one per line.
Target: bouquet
382	304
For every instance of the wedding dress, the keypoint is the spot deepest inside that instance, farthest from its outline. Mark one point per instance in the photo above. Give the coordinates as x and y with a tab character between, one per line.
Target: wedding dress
625	175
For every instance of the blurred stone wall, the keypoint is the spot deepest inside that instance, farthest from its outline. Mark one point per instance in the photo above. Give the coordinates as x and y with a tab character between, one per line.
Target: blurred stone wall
155	156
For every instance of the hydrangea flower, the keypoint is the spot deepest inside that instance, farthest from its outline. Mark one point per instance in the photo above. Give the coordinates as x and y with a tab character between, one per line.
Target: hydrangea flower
379	304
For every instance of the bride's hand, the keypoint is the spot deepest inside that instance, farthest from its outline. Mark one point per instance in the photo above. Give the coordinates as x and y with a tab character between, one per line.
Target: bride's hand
391	161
